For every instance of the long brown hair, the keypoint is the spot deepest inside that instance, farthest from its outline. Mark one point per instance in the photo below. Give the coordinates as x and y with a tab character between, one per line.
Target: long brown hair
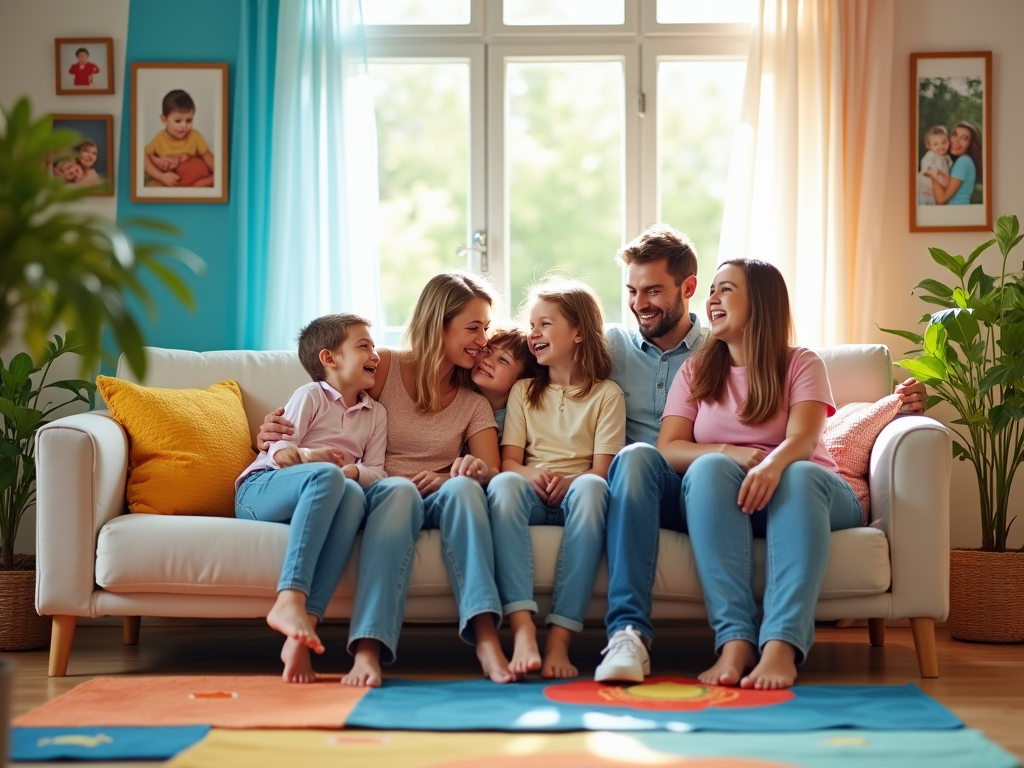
580	306
445	296
973	151
766	340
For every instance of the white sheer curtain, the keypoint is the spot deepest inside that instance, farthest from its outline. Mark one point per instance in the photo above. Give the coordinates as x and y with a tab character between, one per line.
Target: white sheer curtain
809	158
323	248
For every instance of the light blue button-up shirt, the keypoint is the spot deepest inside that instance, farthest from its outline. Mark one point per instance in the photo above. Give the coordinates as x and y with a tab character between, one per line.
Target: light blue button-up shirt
644	373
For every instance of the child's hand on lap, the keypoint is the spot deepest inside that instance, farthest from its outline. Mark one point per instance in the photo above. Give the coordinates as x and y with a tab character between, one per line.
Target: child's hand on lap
539	479
557	487
470	466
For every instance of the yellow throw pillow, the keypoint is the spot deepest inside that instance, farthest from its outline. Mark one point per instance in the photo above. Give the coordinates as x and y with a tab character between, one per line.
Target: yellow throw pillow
186	447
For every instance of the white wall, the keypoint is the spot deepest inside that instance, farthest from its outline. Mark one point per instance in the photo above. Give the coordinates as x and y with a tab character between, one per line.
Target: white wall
936	26
27	32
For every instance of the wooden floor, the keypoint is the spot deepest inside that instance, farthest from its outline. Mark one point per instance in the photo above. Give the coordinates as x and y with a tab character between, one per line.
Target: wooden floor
981	684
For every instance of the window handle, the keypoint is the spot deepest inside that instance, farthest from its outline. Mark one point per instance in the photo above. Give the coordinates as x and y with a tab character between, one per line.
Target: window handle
476	254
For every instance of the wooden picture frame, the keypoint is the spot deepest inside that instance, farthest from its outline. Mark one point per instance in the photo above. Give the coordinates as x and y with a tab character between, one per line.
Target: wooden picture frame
88	76
181	159
951	141
92	165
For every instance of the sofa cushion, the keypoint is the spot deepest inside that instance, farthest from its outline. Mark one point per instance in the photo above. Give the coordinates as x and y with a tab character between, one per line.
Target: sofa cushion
213	556
186	447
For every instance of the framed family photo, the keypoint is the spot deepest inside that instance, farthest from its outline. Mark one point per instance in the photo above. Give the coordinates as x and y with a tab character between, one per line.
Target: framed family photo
179	133
90	162
951	142
85	65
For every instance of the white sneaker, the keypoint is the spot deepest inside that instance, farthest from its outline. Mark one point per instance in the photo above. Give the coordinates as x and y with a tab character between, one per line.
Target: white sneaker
625	658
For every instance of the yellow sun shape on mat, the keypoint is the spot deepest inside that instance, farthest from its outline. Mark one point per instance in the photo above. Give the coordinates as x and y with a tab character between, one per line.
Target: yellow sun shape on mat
673	694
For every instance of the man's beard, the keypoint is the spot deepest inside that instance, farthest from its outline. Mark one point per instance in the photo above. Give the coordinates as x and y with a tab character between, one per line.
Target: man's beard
665	324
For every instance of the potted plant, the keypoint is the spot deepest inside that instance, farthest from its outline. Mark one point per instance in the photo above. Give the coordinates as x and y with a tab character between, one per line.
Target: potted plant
58	266
972	357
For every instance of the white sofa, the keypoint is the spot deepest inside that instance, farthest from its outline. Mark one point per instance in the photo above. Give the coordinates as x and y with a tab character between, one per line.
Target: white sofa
96	560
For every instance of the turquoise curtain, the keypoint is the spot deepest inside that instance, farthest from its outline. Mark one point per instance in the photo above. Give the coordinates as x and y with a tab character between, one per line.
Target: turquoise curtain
311	212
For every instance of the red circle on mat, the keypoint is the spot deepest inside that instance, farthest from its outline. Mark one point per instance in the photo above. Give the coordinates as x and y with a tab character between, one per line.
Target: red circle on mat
589	760
668	694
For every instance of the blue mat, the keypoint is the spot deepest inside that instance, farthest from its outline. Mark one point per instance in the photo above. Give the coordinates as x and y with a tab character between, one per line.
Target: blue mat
661	704
39	744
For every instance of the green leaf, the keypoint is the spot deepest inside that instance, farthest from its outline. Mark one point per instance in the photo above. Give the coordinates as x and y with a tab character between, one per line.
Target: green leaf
926	369
932	401
1001	416
1007	228
1001	375
935	342
960	326
976	253
960	297
1011	339
980	284
938	301
935	287
943	258
916	338
959	452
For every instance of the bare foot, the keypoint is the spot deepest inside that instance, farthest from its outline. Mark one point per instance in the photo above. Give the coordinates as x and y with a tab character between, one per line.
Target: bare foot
525	653
556	654
297	668
777	668
737	657
365	672
289	617
488	650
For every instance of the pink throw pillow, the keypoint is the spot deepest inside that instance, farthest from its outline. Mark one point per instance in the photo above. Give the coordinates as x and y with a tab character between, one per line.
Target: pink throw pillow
849	436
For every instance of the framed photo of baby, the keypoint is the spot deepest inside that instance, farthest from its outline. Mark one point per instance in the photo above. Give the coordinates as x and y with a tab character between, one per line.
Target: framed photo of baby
90	161
951	142
179	133
85	65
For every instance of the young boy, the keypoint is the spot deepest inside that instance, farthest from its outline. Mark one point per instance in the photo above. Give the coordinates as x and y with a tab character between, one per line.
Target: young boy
314	482
507	359
934	165
68	169
178	156
83	70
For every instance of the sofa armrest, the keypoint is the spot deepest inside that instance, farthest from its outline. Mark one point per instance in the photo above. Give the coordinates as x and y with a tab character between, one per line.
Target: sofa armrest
909	475
81	471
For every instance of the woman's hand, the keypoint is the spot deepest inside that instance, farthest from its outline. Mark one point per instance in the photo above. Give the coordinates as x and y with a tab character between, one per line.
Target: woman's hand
427	482
472	467
914	396
758	486
275	427
747	458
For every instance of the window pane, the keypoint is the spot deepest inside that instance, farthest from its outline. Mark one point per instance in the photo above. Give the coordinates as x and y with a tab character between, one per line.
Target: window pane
416	12
698	108
423	147
554	12
703	12
564	151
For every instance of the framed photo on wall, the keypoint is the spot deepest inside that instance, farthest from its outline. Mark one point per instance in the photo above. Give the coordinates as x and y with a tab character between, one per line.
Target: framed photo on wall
179	133
85	65
90	162
951	142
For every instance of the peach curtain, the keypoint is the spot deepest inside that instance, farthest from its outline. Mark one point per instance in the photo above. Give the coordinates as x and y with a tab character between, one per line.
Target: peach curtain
810	155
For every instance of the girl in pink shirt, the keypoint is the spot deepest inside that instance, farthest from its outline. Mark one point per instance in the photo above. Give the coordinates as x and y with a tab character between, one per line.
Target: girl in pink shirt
744	422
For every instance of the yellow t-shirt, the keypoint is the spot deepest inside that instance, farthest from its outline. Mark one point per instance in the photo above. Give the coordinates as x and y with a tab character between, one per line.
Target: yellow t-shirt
163	145
566	439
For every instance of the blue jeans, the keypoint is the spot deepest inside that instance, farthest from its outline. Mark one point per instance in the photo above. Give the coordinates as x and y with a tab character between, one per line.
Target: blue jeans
395	515
809	503
323	509
515	506
645	496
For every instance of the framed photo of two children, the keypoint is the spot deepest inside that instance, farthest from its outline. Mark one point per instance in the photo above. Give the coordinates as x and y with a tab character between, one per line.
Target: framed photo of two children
179	133
951	142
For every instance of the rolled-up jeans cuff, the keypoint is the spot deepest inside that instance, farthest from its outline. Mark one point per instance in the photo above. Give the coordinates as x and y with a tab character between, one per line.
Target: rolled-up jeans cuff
519	605
729	637
561	621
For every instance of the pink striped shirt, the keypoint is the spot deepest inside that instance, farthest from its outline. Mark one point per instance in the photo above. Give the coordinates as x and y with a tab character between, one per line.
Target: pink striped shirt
323	420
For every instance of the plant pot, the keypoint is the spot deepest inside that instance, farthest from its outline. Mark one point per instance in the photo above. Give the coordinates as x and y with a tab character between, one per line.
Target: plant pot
21	628
986	596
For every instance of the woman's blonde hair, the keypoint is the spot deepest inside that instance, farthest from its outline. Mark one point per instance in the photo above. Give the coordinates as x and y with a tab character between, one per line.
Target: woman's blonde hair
580	306
445	296
767	342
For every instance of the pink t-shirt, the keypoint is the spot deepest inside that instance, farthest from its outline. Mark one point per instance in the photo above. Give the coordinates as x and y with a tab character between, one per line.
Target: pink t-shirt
717	421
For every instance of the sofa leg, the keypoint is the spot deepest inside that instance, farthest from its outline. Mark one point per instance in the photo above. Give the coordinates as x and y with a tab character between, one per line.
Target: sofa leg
876	632
924	643
130	629
61	637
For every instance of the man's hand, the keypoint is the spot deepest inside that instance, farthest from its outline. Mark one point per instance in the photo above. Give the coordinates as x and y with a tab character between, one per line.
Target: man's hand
427	482
472	467
914	396
747	458
275	427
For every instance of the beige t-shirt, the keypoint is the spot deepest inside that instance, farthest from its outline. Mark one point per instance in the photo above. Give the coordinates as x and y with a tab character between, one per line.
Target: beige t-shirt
564	433
418	440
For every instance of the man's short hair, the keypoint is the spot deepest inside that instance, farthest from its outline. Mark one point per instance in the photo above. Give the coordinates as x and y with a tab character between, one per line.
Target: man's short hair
327	332
661	241
178	101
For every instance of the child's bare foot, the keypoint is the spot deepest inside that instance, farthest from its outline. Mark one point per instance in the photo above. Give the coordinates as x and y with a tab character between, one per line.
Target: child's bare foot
777	668
297	667
737	657
556	654
365	672
525	653
289	617
488	650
